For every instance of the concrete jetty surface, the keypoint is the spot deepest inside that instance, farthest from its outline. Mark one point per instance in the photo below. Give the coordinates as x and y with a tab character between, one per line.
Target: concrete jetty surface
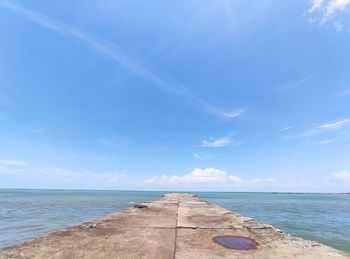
175	226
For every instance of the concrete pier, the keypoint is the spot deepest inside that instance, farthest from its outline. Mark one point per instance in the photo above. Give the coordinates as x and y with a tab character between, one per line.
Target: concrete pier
175	226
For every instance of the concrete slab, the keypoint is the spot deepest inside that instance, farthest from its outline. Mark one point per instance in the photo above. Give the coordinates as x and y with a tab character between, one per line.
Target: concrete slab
205	216
198	243
99	243
155	215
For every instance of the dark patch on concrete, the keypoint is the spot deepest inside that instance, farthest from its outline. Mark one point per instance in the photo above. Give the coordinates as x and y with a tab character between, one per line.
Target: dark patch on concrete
236	242
140	206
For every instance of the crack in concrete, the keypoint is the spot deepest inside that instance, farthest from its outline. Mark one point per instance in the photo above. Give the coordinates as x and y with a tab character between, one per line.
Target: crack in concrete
177	221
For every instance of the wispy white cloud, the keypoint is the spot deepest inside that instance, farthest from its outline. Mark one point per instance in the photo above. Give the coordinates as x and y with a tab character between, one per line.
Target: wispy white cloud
329	7
284	129
326	127
233	114
8	162
307	133
116	54
343	176
334	6
208	176
198	155
333	11
326	141
299	82
205	155
219	142
334	125
316	4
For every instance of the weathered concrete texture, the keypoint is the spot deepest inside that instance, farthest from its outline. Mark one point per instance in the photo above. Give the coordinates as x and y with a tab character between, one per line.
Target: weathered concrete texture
175	226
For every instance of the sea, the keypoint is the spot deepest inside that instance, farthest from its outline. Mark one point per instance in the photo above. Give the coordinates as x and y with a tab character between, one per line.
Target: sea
28	214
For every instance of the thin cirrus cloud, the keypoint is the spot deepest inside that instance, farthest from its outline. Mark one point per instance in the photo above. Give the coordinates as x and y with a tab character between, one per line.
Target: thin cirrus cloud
7	162
329	7
198	155
316	4
218	142
330	126
285	129
233	114
334	125
205	156
299	82
116	54
331	11
326	141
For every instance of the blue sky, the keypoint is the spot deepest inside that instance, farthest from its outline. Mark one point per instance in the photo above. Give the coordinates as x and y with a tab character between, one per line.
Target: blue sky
217	95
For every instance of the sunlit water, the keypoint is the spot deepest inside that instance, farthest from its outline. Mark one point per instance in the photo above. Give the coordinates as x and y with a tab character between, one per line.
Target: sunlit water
26	214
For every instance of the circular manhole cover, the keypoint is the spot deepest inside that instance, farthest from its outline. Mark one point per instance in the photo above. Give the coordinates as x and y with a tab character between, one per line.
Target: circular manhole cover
236	242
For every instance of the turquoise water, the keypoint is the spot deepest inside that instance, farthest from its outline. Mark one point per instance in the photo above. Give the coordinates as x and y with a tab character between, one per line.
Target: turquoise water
26	214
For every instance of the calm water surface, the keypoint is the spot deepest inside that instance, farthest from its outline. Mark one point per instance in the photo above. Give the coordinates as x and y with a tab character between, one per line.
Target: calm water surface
26	214
321	217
